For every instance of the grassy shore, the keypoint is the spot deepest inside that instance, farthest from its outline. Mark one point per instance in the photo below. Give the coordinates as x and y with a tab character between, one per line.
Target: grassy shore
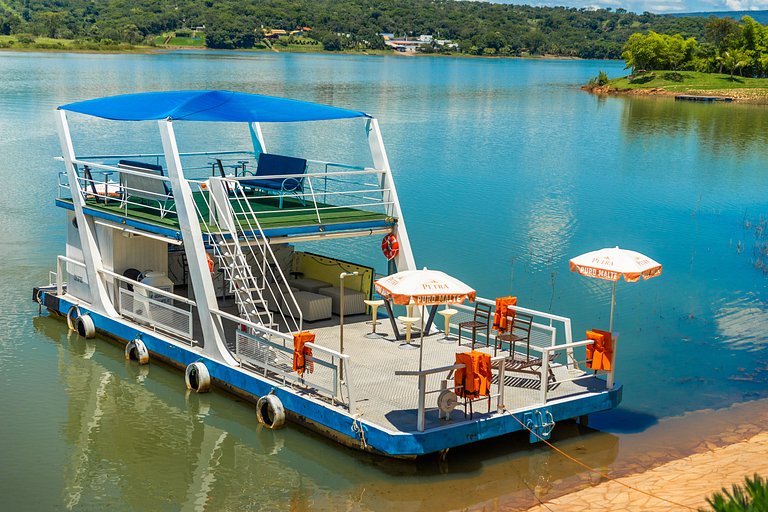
28	43
165	43
670	83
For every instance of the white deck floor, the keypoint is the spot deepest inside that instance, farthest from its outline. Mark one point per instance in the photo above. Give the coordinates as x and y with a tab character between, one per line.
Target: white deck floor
391	401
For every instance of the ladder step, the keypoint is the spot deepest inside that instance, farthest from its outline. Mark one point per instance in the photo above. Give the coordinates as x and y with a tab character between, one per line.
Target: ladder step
255	301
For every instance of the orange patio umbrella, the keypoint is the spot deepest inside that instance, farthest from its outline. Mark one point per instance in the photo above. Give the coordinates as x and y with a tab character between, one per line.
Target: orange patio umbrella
612	264
425	288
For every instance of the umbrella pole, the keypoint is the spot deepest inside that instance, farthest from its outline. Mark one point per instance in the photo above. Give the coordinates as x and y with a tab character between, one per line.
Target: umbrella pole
613	303
421	346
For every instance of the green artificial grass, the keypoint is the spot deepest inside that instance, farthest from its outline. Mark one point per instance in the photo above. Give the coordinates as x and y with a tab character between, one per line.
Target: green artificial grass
270	215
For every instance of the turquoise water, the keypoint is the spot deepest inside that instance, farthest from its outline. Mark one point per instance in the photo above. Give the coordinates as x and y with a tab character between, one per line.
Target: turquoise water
505	170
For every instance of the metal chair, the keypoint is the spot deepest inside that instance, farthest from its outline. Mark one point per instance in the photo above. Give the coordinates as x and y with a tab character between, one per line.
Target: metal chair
480	319
518	329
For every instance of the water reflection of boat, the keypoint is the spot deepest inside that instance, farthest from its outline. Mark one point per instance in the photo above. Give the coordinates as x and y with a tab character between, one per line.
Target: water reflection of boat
197	452
195	258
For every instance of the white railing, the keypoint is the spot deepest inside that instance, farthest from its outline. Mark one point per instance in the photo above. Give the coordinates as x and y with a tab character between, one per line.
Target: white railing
246	258
152	306
140	306
498	363
327	186
544	329
147	305
547	358
270	353
61	282
108	185
551	335
327	191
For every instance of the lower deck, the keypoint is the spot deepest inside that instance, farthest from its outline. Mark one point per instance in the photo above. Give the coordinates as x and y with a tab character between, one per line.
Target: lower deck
385	402
391	400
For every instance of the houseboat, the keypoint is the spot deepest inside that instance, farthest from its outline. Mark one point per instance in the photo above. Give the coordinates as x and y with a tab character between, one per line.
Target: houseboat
243	268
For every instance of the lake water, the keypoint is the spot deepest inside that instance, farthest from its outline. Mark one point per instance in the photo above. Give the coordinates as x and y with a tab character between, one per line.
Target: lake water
505	171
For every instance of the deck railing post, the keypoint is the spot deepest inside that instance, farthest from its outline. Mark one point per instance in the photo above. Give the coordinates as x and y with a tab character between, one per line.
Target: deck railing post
500	406
609	380
422	397
59	278
347	382
544	374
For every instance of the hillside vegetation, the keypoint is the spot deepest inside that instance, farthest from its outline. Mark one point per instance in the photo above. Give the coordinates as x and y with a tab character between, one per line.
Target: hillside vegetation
476	27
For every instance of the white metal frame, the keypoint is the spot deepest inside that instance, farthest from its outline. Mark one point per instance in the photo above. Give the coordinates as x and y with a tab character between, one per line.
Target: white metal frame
191	233
404	260
86	225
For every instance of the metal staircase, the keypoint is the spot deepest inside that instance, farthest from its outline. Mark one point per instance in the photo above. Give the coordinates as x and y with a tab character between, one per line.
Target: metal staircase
250	268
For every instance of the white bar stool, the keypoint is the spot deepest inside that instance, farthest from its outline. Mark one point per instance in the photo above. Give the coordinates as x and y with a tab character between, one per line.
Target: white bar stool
408	321
374	306
447	313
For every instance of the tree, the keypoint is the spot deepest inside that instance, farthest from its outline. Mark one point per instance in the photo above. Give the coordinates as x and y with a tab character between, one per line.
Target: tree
642	52
721	32
50	23
658	51
753	43
733	60
681	50
131	34
227	32
9	23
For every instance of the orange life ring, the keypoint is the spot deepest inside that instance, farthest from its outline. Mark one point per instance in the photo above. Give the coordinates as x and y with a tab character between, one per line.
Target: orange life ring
210	262
390	246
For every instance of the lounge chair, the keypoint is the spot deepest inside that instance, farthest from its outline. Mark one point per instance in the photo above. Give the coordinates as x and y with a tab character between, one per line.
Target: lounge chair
149	189
278	165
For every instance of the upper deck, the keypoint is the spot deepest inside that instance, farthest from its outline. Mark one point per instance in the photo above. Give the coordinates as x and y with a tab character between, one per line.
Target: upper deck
331	197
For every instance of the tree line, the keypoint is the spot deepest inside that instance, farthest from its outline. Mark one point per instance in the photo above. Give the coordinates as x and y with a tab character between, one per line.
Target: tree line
726	45
478	28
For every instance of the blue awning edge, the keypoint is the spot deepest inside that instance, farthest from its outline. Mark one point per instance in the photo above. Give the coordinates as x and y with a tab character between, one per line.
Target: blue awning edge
223	106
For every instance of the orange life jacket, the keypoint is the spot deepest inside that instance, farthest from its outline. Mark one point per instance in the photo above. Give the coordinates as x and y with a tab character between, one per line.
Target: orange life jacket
300	351
599	353
474	380
501	314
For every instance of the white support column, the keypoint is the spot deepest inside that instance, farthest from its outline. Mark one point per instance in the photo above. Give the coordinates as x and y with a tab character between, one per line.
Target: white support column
86	226
610	382
205	295
257	138
404	259
422	402
544	375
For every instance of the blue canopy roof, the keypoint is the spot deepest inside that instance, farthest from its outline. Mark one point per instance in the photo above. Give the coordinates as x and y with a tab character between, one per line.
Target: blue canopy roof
224	106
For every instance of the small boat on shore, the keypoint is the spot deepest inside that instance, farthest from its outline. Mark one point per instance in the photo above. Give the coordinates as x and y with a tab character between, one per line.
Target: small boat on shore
247	270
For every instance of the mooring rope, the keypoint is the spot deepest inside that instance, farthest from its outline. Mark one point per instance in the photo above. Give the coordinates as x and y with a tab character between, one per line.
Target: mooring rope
603	475
359	428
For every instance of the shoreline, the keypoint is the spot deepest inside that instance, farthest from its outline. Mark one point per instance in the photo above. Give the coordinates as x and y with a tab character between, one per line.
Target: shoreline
148	50
744	96
642	457
682	484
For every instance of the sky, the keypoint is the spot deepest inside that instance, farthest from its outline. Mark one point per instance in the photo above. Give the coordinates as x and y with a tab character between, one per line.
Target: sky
655	6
